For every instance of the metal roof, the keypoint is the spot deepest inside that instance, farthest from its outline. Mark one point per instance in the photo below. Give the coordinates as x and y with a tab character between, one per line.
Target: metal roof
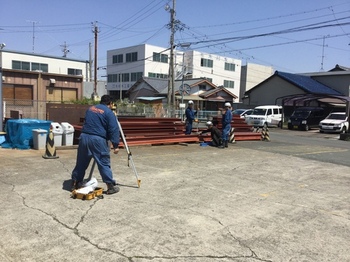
308	84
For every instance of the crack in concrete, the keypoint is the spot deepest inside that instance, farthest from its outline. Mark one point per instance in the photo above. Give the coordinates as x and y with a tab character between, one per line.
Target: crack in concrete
253	254
73	229
76	231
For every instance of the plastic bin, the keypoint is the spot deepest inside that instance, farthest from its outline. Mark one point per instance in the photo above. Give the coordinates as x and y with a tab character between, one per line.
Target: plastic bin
68	134
39	138
57	133
19	132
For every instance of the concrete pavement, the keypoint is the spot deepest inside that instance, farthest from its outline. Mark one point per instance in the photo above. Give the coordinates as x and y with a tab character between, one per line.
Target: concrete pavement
194	204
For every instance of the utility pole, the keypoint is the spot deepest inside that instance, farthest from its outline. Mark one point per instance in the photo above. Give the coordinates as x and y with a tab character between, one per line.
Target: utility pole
90	63
95	31
171	85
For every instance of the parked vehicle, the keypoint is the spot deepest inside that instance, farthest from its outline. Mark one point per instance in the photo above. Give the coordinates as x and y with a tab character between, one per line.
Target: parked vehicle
305	118
270	115
242	112
335	122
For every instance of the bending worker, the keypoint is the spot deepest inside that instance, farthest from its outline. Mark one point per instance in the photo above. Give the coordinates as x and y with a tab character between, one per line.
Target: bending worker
215	134
100	126
190	117
226	125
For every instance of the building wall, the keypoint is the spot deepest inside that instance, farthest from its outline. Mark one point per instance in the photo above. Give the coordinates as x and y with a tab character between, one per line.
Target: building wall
88	89
144	64
269	91
252	75
339	81
192	66
217	72
56	65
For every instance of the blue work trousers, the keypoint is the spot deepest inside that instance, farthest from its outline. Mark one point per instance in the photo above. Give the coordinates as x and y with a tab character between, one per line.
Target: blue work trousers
188	127
96	147
226	132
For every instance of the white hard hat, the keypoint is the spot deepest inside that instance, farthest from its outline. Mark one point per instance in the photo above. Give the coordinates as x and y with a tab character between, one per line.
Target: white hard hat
190	102
228	104
209	123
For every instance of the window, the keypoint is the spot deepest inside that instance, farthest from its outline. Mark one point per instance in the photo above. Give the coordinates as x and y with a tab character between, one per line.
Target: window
230	66
202	87
135	76
116	78
164	58
157	75
275	111
206	62
117	59
125	77
112	78
40	67
131	57
158	57
230	84
75	72
45	68
21	65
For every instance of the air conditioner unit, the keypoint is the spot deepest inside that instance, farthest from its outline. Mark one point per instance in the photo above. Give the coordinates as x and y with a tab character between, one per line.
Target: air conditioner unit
52	81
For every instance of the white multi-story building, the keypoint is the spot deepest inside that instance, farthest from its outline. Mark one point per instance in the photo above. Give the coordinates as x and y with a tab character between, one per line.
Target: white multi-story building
126	65
54	65
47	64
220	70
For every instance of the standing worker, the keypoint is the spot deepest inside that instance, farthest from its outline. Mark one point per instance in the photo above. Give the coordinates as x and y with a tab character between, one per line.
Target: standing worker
226	125
190	117
215	134
100	126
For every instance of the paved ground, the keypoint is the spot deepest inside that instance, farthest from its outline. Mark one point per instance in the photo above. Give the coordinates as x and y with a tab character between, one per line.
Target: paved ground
194	204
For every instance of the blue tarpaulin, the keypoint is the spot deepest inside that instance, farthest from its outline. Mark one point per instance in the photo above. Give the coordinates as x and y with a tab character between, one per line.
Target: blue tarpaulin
19	132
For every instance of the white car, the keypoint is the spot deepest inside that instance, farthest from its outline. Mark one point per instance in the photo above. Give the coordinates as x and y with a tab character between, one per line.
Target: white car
335	122
242	112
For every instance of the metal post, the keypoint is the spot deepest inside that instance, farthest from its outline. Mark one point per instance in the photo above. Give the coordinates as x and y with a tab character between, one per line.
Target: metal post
1	98
182	84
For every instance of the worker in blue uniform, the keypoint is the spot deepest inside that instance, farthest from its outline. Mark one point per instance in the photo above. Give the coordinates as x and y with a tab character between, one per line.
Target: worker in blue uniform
190	117
100	126
226	125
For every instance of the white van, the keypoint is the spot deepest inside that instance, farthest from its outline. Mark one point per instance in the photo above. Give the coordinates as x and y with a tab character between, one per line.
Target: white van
265	115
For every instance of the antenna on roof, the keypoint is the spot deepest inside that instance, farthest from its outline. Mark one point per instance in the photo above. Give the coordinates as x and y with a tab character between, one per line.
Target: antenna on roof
65	49
323	45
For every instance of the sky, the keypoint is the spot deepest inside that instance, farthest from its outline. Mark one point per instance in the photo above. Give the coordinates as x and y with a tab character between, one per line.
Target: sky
290	36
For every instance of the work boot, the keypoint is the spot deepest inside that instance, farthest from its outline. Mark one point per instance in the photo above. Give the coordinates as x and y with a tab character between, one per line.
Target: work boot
222	145
112	189
75	185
